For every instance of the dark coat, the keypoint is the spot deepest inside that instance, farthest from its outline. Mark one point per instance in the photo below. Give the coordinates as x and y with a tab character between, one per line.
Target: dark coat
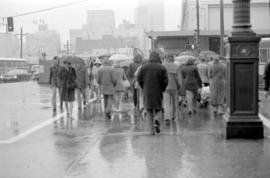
266	77
153	80
190	77
82	77
53	78
67	76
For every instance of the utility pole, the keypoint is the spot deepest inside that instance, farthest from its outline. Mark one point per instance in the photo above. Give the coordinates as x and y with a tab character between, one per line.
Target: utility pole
21	45
198	27
222	50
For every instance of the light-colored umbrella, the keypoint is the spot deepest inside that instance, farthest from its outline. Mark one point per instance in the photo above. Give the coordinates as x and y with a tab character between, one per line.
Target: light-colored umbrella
180	60
187	53
126	63
73	60
119	57
207	55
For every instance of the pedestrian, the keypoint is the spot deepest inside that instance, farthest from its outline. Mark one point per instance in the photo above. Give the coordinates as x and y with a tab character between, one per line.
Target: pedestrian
69	84
153	80
106	83
83	82
191	82
94	86
118	77
203	71
55	83
266	77
137	61
171	95
217	77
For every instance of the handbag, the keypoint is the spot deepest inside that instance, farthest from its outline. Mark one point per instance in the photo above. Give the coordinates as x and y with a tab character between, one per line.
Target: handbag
126	84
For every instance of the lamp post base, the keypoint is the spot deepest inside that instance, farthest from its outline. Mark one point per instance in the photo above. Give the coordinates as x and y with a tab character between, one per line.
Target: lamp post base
248	128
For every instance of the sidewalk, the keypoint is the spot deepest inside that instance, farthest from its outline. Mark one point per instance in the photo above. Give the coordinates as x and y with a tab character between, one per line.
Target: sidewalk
90	146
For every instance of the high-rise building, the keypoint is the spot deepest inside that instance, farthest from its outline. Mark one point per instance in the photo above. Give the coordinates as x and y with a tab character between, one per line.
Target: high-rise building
43	41
100	23
150	15
9	45
210	17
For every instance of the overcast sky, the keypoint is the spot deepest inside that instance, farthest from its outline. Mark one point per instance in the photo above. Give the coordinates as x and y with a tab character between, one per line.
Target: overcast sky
72	17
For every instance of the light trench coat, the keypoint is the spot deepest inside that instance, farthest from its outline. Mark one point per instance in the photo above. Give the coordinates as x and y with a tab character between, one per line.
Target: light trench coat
217	77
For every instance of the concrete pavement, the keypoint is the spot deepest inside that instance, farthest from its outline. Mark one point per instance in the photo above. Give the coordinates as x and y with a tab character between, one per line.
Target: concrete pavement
90	146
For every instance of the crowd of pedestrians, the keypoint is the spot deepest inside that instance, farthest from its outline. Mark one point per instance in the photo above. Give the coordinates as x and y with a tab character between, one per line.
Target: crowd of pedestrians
159	86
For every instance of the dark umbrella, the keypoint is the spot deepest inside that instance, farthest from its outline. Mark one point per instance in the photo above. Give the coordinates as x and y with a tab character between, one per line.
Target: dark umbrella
73	60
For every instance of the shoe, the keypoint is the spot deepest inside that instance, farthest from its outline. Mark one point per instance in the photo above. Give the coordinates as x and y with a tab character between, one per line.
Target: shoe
108	116
157	124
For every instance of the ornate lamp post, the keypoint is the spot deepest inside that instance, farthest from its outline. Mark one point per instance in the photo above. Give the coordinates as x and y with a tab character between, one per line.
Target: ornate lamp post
241	119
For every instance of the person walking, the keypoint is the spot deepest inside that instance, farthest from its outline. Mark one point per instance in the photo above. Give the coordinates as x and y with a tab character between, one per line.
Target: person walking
106	83
118	76
217	76
191	83
153	80
203	71
266	78
170	95
94	85
69	84
83	83
54	83
137	61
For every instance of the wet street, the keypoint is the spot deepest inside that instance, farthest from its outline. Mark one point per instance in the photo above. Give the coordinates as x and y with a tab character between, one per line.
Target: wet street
35	143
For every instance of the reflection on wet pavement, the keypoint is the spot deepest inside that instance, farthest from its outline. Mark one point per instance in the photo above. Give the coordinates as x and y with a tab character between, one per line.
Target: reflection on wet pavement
88	145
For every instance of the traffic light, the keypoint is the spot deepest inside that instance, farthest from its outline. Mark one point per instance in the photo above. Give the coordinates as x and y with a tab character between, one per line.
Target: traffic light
10	24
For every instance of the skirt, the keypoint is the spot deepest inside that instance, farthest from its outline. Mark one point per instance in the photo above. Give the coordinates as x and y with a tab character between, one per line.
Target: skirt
68	95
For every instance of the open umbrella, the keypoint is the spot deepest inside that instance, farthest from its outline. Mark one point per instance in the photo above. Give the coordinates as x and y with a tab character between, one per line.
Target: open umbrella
207	55
187	53
119	57
180	60
126	63
73	60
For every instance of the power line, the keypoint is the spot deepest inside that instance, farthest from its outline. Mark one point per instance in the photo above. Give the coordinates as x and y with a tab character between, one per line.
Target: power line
47	9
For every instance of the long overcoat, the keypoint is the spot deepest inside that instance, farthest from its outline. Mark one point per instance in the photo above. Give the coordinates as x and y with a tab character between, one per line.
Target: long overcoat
190	77
217	76
66	76
153	80
105	79
82	77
